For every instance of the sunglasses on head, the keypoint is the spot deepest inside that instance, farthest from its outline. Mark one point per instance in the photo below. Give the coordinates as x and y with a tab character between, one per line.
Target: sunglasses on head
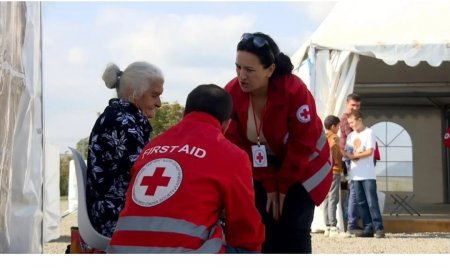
258	41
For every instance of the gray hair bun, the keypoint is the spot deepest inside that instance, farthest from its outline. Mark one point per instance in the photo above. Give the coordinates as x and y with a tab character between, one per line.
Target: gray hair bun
111	76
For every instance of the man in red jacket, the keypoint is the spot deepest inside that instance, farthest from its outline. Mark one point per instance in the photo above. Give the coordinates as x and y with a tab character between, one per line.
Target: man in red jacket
182	183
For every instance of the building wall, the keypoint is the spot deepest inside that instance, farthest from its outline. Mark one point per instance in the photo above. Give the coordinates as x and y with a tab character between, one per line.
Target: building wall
424	126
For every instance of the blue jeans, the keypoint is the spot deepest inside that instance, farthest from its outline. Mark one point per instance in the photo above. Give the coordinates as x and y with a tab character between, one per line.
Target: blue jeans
234	250
353	214
367	198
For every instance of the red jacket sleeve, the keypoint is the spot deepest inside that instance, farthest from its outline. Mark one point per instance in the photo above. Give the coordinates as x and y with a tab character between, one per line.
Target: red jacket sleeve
308	157
244	228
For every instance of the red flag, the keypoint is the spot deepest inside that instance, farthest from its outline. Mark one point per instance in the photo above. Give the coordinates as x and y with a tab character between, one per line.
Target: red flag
376	153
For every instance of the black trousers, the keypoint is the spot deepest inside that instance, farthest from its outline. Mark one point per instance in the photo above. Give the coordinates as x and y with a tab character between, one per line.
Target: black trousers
292	233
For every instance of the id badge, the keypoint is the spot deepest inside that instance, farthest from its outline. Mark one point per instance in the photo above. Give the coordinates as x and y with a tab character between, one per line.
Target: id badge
259	156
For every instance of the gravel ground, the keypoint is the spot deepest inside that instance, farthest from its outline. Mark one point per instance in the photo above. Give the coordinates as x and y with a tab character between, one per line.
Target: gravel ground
398	243
393	243
59	245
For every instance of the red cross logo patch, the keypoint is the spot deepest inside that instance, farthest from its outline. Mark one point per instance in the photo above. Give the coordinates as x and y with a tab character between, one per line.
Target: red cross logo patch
157	181
303	114
259	157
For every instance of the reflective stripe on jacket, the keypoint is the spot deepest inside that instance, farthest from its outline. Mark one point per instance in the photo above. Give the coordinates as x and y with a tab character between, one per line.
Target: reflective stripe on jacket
164	235
183	182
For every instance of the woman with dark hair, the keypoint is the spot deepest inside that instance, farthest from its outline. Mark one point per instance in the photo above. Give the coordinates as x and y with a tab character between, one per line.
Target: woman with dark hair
274	120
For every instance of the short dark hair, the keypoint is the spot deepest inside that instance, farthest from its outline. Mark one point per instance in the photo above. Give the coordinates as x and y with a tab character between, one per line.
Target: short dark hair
353	96
210	99
330	121
356	114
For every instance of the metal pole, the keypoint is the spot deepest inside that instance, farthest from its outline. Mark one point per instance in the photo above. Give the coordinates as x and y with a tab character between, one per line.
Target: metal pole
42	127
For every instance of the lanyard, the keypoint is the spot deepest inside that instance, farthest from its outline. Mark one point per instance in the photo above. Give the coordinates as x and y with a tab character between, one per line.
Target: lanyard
258	129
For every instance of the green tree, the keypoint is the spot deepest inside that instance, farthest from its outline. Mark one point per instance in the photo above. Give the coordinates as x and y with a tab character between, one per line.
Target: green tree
166	116
82	146
64	173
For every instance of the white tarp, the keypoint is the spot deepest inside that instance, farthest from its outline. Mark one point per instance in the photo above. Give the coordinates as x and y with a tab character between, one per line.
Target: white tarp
21	135
330	78
51	208
409	31
73	189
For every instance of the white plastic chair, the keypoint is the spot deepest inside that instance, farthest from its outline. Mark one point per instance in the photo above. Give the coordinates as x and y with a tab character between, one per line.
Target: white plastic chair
93	238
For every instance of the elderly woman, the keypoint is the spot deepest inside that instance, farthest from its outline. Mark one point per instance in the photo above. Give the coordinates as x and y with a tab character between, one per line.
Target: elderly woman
117	139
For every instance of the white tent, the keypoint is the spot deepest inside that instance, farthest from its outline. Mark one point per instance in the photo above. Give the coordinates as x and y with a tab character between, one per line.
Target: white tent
392	31
396	31
26	218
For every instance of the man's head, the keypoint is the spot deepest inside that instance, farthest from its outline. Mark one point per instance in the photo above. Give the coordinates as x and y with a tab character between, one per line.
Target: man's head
210	99
353	102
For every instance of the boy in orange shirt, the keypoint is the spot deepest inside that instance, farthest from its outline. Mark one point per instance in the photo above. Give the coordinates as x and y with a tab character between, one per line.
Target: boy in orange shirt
331	123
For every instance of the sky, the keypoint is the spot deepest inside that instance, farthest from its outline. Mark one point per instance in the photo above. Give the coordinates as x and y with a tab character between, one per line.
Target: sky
192	42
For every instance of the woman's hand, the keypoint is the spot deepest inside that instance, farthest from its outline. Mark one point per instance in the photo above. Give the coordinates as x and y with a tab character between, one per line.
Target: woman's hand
272	202
275	201
282	196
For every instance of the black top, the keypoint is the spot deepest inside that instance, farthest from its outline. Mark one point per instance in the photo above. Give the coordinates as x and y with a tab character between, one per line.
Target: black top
117	138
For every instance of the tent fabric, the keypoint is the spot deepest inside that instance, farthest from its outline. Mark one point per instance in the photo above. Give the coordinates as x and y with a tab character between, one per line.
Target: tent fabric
331	89
51	207
21	131
409	31
73	188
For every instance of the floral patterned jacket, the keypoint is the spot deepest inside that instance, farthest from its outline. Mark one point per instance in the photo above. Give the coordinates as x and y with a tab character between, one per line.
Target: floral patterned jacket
117	138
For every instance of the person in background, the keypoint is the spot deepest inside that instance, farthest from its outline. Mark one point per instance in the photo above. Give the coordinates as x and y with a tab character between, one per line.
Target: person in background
447	138
363	176
331	124
274	120
118	137
353	104
184	181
